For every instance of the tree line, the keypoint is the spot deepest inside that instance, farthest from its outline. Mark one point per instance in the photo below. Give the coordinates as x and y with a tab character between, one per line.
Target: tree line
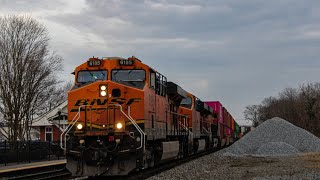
29	85
300	106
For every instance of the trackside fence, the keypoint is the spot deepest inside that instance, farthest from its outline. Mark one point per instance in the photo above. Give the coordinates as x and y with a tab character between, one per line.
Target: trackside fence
29	151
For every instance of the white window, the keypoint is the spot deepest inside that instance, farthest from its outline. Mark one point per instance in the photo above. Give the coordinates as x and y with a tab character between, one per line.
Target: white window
48	132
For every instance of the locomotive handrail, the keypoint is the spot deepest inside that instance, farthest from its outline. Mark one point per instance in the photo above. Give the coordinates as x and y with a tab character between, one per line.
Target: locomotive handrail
207	131
143	135
68	128
187	116
187	129
177	113
77	117
206	122
183	125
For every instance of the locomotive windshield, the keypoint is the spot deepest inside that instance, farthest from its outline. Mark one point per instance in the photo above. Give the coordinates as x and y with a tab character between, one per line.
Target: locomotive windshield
92	76
186	102
132	77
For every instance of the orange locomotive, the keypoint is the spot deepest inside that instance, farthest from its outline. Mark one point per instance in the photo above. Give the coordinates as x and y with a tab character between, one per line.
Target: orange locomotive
124	116
202	123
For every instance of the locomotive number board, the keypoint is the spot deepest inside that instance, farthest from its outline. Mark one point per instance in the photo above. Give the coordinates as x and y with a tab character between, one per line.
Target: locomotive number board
125	62
93	63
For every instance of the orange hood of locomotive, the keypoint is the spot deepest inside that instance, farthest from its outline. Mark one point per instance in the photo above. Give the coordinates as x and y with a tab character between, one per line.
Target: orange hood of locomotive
89	99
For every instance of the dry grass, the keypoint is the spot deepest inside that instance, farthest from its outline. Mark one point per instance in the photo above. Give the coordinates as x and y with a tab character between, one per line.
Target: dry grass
312	160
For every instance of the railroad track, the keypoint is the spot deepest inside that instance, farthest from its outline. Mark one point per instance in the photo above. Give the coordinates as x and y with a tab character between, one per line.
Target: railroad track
168	165
144	174
60	172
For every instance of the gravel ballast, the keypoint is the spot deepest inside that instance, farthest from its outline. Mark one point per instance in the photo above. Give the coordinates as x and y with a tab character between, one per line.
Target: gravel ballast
275	137
217	166
276	149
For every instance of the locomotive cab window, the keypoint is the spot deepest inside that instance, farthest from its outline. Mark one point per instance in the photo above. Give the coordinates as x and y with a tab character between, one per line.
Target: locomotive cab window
130	77
152	79
161	84
186	102
92	76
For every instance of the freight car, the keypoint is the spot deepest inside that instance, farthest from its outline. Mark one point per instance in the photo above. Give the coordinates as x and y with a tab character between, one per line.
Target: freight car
125	116
228	128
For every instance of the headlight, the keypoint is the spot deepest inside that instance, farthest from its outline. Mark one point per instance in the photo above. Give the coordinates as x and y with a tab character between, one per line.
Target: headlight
79	126
103	87
119	125
103	90
103	93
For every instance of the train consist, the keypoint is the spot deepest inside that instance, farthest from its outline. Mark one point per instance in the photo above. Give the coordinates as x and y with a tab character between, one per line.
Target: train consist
125	116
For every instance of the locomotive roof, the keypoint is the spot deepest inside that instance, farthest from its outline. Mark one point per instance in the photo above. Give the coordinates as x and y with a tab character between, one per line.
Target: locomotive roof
113	58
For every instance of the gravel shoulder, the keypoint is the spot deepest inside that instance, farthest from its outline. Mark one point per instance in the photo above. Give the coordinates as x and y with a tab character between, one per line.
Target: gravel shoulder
216	166
276	149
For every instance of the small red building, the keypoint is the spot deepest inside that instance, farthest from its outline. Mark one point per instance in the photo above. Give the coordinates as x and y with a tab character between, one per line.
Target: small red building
50	125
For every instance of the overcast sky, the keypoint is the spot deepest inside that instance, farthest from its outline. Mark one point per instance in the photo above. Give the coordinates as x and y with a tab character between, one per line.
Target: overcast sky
234	51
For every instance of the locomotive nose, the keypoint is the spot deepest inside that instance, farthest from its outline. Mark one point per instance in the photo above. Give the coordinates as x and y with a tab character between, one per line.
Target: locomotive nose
116	92
109	90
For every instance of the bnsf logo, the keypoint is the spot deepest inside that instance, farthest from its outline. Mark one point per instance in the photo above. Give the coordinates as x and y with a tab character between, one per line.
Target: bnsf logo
101	102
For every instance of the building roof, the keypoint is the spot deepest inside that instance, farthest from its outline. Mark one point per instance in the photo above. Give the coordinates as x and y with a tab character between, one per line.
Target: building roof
3	133
44	119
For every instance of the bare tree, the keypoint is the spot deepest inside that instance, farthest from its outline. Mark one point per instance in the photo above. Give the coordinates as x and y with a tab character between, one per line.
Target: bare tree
310	99
28	69
300	106
51	98
252	113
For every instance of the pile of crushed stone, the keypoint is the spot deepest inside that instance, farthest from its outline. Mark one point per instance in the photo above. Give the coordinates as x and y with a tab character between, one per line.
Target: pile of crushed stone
275	137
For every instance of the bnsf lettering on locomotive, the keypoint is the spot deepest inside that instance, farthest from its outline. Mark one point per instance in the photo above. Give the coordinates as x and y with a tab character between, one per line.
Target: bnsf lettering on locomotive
92	102
133	100
81	102
118	100
101	102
